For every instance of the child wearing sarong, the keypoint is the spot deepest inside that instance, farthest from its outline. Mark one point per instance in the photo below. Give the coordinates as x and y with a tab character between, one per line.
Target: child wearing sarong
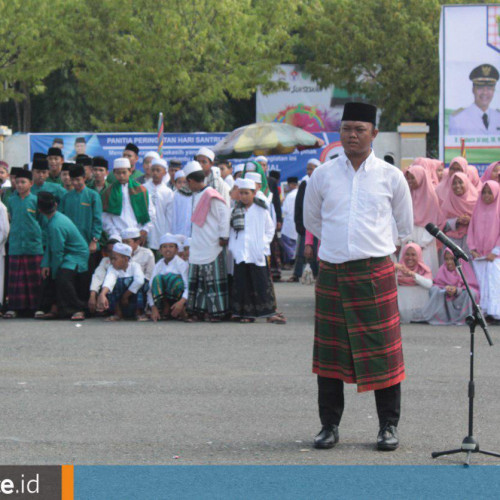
168	292
122	292
252	231
25	249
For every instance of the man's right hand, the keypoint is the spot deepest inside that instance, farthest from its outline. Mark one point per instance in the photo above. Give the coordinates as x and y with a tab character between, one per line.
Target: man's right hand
45	272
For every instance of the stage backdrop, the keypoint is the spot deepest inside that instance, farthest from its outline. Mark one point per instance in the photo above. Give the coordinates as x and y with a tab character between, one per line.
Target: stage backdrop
179	146
469	40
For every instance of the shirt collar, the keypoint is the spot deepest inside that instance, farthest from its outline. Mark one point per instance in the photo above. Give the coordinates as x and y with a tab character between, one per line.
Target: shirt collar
366	165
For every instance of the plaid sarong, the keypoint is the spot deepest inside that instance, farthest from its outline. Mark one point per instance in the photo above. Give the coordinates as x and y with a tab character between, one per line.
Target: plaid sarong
25	282
136	301
208	289
167	287
357	335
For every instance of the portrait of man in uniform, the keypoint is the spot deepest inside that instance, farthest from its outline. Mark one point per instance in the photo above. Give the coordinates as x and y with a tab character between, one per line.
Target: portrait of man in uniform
479	118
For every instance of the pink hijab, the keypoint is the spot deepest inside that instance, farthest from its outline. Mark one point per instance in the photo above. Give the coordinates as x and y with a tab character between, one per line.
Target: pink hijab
446	278
473	175
455	206
487	173
445	185
419	268
430	166
425	201
484	227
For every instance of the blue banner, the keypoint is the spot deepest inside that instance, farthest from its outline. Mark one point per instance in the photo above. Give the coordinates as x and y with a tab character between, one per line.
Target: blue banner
182	147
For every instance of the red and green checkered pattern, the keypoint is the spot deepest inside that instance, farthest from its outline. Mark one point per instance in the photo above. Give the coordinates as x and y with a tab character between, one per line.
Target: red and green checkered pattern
357	333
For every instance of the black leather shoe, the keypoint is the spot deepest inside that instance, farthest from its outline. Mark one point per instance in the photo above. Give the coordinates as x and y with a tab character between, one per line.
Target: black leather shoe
387	439
327	438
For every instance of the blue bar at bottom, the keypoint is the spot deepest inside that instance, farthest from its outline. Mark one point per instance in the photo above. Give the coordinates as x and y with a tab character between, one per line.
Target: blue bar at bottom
286	482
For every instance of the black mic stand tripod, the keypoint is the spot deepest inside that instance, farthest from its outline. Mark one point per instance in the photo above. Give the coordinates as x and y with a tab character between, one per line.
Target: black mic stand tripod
470	444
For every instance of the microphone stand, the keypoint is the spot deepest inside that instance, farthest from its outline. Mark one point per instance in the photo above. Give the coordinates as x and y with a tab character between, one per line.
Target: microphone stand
470	444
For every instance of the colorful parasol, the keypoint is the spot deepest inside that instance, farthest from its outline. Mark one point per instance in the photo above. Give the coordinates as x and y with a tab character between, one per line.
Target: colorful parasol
271	138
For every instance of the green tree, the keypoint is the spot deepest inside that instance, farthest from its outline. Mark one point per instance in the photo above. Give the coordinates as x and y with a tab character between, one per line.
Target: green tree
34	43
385	50
187	59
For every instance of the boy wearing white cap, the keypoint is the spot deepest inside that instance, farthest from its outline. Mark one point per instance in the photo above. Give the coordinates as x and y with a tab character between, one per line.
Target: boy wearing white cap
205	157
147	163
162	197
252	231
168	293
208	285
121	290
141	255
126	203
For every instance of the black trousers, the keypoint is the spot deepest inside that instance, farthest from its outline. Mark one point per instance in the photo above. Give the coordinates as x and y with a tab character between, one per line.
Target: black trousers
331	402
66	291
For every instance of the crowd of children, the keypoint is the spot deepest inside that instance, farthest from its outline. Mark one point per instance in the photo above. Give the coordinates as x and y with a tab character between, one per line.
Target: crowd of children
190	242
205	242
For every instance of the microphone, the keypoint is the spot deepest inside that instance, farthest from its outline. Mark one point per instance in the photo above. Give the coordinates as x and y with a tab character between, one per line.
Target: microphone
457	251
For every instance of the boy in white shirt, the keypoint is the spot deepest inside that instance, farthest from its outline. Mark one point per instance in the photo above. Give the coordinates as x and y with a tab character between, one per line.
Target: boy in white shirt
143	256
162	198
168	293
252	231
122	290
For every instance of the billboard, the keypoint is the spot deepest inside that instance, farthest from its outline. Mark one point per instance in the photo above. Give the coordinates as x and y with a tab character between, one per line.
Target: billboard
469	70
303	104
182	147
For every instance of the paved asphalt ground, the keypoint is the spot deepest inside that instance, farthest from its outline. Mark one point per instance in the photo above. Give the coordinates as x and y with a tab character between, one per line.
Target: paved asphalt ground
175	393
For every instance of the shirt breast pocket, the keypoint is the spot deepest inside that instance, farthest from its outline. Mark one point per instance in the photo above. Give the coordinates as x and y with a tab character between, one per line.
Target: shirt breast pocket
374	208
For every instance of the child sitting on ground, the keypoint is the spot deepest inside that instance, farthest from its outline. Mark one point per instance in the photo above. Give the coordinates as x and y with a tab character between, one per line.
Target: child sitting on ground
168	293
122	292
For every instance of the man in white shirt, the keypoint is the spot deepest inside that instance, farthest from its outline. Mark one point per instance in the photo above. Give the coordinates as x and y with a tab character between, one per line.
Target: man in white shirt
208	286
126	203
162	198
349	205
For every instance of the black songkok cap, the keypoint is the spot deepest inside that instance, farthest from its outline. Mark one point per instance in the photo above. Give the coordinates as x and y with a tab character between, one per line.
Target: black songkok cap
83	160
175	164
15	170
359	112
55	152
40	164
292	180
39	156
132	147
22	174
58	140
99	161
66	167
76	171
46	201
80	140
275	174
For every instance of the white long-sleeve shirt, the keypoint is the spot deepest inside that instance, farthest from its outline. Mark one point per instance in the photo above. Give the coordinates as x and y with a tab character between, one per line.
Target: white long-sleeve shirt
133	270
205	245
4	231
115	224
175	266
182	212
251	244
162	198
288	212
99	275
146	259
351	211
